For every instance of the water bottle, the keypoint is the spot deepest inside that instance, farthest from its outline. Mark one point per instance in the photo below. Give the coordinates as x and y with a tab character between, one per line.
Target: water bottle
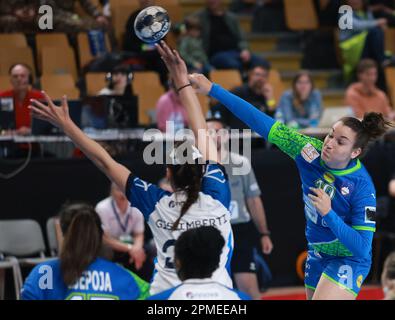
97	44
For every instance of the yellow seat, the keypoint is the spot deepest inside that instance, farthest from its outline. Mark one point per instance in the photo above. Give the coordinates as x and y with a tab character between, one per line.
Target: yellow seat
17	40
95	81
228	79
50	40
147	86
390	40
84	50
12	55
277	84
4	83
56	61
120	11
390	79
300	15
57	85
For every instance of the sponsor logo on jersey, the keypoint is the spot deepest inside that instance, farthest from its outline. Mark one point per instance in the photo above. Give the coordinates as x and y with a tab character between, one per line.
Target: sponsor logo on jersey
309	153
329	177
359	281
202	295
345	191
370	214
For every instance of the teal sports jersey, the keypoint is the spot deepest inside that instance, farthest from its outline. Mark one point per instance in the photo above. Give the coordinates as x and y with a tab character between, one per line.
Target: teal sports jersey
102	280
347	230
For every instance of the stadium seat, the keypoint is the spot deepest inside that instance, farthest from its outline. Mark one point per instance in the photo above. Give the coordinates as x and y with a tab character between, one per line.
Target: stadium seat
10	263
12	55
147	86
300	15
21	238
4	83
121	10
277	84
390	40
57	85
390	79
59	61
228	79
50	40
53	244
84	51
13	40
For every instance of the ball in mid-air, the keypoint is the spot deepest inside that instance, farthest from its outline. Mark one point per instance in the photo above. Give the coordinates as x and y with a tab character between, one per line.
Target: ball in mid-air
152	24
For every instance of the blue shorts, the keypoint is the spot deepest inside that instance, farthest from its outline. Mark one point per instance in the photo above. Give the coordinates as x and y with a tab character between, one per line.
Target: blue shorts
347	272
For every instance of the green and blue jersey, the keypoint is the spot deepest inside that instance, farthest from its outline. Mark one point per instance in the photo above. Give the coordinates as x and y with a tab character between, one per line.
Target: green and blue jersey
102	280
347	230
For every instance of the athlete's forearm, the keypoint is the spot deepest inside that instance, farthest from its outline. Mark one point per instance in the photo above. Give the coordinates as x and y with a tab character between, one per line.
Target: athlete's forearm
246	112
97	154
359	243
205	143
257	212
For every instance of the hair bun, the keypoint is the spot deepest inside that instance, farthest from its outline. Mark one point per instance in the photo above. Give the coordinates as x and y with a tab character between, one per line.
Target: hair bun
373	124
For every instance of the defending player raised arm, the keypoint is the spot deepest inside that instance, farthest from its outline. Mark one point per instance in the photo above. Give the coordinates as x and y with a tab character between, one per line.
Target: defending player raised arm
59	117
179	74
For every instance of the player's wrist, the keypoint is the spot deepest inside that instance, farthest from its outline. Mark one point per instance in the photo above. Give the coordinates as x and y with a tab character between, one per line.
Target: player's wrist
266	233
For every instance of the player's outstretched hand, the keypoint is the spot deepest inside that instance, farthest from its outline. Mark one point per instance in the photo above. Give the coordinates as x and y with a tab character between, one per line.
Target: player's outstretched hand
174	63
58	116
200	83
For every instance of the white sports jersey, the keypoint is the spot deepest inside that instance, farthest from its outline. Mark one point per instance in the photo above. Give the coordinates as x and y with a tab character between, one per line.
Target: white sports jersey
161	209
200	289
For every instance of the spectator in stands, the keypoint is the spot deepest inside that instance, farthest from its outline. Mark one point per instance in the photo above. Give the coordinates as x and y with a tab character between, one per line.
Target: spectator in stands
388	277
268	16
383	9
191	49
169	108
257	91
123	225
246	207
21	78
19	15
80	273
197	255
118	82
363	96
223	38
300	107
67	20
146	53
364	40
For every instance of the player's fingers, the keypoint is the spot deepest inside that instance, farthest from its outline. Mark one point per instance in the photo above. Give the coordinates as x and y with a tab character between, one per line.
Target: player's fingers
167	50
65	105
49	101
37	113
39	105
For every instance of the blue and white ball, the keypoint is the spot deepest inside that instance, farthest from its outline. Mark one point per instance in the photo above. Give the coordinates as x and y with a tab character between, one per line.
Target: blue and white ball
152	24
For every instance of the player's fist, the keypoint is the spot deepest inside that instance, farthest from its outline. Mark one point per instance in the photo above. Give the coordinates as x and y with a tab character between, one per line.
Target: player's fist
200	83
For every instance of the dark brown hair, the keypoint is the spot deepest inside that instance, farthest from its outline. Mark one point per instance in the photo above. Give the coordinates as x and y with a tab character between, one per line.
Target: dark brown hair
366	64
81	227
297	101
372	126
188	178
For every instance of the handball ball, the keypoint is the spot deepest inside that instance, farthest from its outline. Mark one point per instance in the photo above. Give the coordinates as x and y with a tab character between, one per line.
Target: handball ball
152	24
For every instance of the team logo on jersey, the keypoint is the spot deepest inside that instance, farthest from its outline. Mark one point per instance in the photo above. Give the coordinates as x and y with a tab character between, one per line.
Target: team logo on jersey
345	191
329	177
370	214
309	153
359	281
